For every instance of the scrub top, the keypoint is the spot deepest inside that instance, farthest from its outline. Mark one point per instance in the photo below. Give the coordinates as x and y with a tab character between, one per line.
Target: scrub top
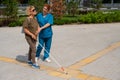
42	20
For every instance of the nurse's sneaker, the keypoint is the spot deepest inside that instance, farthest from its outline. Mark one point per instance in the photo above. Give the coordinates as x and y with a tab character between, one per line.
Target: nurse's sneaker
47	60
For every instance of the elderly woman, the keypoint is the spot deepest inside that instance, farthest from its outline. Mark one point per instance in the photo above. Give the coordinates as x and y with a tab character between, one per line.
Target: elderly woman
31	29
45	20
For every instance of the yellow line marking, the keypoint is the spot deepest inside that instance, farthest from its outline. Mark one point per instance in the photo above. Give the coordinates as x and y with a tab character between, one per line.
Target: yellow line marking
94	57
76	74
14	61
89	77
73	70
10	60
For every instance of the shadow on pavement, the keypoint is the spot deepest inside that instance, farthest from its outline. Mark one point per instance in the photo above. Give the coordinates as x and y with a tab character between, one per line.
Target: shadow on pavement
22	58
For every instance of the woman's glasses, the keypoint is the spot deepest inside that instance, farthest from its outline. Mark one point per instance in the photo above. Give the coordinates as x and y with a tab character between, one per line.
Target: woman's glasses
33	10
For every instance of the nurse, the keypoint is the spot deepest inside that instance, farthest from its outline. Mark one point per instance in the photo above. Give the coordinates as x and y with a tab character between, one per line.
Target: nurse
45	20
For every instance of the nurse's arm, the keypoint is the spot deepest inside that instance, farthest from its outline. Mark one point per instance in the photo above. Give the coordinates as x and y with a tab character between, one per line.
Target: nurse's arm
45	26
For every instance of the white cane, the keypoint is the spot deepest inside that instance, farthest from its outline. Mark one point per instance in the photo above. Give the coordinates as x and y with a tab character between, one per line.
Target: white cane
54	60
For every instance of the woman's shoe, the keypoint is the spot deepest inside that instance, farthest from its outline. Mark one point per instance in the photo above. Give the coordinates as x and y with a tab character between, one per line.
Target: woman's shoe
30	62
36	66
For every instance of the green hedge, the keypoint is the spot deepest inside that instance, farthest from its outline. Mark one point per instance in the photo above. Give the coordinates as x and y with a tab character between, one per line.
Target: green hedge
16	23
93	17
101	17
66	20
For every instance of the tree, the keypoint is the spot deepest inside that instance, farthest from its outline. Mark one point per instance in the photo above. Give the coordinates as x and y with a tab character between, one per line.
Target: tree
37	3
11	9
21	1
97	3
72	6
58	8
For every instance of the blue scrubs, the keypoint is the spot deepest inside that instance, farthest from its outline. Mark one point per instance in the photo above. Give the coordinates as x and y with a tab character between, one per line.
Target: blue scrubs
45	36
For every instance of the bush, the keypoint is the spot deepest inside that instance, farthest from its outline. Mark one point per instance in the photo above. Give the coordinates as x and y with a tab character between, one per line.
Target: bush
12	24
100	17
66	20
15	23
6	22
92	17
116	16
58	22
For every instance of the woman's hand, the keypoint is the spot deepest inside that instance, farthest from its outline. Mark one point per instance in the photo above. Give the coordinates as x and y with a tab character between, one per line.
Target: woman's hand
33	36
29	33
39	29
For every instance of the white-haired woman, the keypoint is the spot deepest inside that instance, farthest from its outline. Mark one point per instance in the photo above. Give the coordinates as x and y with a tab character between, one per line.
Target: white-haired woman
31	29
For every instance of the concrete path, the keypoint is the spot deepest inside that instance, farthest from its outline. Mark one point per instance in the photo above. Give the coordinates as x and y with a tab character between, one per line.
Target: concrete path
86	51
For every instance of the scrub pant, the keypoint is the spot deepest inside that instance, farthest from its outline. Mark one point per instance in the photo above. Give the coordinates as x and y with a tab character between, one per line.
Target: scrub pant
32	48
46	42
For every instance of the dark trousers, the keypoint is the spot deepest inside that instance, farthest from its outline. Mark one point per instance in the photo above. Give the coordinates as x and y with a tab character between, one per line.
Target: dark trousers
32	48
46	42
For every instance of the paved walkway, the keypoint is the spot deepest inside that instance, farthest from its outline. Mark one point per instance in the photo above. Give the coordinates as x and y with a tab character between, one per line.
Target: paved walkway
86	51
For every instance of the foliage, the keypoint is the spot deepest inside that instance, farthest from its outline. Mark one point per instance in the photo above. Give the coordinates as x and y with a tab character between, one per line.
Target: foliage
13	24
72	7
37	3
10	12
92	17
96	3
11	9
66	20
101	17
58	8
